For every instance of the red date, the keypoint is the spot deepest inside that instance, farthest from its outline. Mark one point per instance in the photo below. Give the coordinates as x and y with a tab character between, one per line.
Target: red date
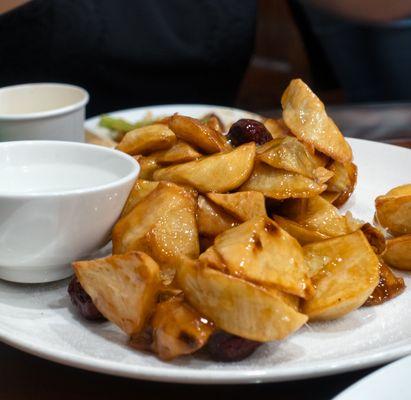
248	130
82	301
225	347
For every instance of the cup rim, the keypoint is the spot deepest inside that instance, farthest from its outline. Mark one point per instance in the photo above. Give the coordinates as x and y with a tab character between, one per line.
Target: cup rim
130	176
48	113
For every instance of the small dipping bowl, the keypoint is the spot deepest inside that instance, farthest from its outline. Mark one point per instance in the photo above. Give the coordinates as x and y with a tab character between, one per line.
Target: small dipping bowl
42	111
58	203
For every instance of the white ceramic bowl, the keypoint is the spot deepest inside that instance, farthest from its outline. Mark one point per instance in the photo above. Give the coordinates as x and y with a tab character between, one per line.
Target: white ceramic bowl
58	203
42	111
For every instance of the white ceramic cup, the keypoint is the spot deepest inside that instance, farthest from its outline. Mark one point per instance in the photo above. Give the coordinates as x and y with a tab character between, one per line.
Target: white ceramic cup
42	111
58	203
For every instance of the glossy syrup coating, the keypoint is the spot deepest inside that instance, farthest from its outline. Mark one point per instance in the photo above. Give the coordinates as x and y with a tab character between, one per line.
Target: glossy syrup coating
389	286
82	301
226	347
248	130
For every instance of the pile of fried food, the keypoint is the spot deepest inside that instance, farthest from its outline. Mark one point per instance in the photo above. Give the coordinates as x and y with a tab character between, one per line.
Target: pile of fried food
231	240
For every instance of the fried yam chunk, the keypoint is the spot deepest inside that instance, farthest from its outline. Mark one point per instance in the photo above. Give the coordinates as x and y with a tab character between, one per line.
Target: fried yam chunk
237	306
123	287
305	115
220	172
345	271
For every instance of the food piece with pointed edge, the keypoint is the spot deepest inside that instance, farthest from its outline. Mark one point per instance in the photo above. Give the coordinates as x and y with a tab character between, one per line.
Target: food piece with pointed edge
212	219
214	122
181	152
343	182
141	189
123	287
147	139
199	135
291	155
319	215
237	306
163	225
147	166
260	251
220	172
331	197
241	205
345	271
277	128
305	115
178	329
279	184
301	233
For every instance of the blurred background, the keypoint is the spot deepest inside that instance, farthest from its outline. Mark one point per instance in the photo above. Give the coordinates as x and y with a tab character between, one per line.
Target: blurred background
280	54
358	63
129	53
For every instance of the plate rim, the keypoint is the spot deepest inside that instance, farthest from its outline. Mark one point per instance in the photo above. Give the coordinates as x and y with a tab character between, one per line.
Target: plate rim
351	390
173	374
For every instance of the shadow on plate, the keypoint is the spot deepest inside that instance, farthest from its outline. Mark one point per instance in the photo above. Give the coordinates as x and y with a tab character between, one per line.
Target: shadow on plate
31	296
350	322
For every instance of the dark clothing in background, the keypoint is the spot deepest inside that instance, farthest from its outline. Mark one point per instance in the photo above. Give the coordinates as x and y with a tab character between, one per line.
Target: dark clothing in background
372	62
130	53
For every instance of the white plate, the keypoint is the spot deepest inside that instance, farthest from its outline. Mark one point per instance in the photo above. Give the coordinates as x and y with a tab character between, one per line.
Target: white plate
39	319
228	115
390	382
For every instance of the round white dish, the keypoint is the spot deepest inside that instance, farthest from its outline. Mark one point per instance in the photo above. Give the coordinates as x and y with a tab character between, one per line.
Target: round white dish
40	320
390	382
42	111
58	202
228	115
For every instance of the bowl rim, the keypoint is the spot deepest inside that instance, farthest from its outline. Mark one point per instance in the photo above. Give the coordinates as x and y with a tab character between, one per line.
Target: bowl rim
129	177
48	113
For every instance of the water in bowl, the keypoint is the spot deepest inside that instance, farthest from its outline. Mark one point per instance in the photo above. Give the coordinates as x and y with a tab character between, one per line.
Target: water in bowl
44	178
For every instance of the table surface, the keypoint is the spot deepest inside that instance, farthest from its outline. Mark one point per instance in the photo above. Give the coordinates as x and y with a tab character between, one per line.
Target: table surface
28	377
